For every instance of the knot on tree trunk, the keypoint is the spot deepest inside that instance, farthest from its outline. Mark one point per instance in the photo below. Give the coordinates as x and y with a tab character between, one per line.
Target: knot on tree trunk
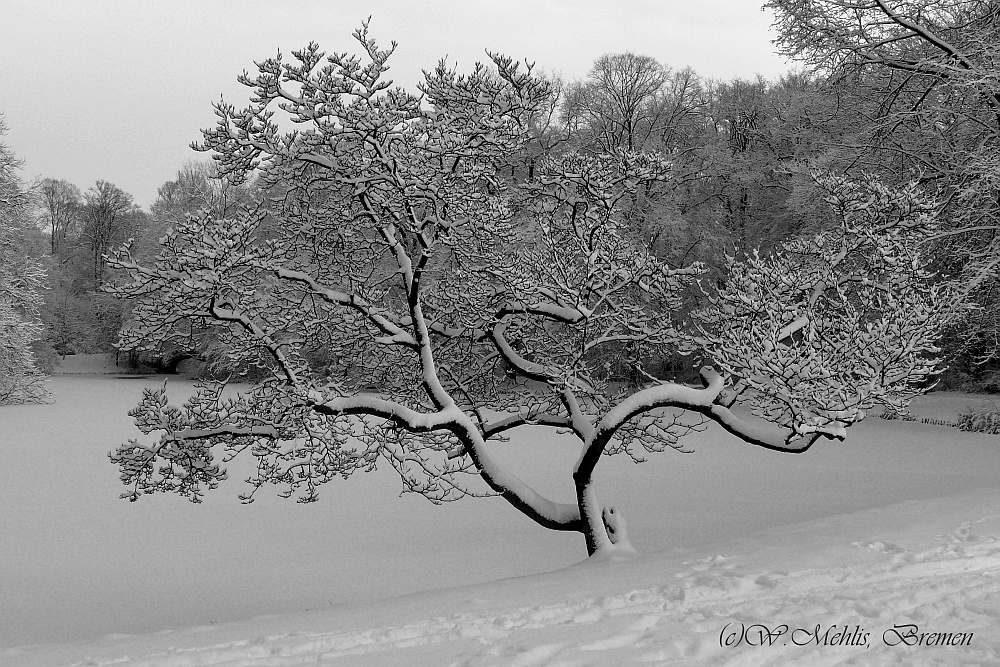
617	530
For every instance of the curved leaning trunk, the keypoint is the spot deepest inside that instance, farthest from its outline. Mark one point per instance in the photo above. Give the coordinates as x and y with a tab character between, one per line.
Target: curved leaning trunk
594	531
603	527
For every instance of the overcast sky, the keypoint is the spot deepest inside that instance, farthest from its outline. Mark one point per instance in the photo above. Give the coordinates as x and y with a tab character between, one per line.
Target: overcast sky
117	89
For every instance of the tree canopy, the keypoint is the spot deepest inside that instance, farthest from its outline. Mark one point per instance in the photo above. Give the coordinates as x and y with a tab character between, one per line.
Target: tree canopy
21	278
412	296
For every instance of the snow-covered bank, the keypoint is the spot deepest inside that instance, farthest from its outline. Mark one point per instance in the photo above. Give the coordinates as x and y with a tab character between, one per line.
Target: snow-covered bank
854	589
77	563
89	364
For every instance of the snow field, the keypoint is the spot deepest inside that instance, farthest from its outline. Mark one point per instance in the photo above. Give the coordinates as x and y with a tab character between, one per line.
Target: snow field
654	609
77	564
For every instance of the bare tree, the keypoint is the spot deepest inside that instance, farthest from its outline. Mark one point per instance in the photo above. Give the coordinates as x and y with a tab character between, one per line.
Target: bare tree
618	106
415	307
107	222
198	187
679	110
62	204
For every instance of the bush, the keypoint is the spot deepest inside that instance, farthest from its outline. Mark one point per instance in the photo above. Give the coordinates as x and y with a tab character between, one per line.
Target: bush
984	418
891	413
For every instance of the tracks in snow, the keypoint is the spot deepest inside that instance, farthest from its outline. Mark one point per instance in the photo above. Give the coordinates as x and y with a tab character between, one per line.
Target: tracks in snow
952	587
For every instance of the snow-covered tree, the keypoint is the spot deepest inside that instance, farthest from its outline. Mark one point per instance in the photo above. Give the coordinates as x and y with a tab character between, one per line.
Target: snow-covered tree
923	75
21	278
411	305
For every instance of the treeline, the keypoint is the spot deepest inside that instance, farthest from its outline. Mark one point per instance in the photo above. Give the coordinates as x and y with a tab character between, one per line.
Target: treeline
71	233
55	239
905	94
743	150
81	228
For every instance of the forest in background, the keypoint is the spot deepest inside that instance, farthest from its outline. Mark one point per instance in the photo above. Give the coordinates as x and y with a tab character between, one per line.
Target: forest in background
904	101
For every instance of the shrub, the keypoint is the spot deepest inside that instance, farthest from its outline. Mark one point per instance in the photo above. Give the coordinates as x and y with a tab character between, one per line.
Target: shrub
984	418
891	413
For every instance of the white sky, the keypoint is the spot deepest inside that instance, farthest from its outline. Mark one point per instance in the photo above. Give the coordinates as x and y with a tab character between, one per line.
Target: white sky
117	89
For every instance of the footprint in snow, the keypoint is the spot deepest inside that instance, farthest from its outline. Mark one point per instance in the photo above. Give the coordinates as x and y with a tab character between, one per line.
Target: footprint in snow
537	655
883	547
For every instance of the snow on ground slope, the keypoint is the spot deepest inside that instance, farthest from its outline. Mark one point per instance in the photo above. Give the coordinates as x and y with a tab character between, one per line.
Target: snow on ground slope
77	563
871	587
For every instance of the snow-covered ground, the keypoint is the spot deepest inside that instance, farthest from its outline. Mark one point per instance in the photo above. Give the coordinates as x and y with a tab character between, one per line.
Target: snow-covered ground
732	536
854	589
859	589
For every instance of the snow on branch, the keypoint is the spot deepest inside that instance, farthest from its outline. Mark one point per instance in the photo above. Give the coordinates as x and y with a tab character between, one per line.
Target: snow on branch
22	277
834	324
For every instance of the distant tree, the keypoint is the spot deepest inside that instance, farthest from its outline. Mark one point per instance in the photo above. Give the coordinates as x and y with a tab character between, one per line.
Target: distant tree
109	217
734	180
198	187
414	306
62	208
621	103
196	190
21	278
548	134
74	321
78	318
67	315
632	102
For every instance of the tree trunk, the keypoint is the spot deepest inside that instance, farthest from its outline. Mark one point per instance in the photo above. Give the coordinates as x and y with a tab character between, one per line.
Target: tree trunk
604	528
